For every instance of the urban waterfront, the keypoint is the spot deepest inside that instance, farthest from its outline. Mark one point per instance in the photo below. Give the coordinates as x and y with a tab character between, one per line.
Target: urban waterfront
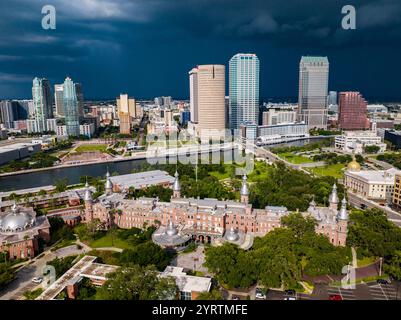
73	174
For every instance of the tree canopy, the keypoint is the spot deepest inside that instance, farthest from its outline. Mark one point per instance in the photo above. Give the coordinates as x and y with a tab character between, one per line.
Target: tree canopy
137	283
280	258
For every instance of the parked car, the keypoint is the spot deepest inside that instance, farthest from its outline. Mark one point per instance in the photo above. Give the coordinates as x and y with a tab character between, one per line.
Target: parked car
37	280
234	298
335	297
290	298
382	281
290	292
260	293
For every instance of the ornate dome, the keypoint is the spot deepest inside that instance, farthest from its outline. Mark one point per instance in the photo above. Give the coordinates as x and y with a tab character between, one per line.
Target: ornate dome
354	165
109	184
88	193
343	213
244	188
16	220
171	230
333	198
232	235
176	185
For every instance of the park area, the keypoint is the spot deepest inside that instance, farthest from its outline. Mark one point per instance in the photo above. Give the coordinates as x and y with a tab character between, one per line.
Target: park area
332	170
91	148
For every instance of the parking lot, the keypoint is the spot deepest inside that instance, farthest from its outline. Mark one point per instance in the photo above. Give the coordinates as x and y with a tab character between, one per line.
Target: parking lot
365	291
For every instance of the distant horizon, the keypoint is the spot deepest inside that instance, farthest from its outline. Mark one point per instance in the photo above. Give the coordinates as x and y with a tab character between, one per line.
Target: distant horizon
370	100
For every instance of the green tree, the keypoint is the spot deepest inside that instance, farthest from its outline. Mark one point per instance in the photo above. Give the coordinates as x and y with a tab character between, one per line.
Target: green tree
393	266
232	265
212	295
6	275
145	254
137	283
299	224
61	184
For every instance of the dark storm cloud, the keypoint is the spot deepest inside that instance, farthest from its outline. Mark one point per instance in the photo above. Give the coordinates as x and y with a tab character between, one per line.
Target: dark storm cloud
146	47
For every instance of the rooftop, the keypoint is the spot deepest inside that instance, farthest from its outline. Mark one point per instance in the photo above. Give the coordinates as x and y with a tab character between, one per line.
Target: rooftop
378	177
313	59
142	179
186	283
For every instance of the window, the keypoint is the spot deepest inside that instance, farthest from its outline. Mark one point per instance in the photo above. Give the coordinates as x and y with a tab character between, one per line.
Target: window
185	295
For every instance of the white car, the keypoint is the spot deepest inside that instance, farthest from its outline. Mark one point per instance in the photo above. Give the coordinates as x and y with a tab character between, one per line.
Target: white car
290	298
37	280
259	294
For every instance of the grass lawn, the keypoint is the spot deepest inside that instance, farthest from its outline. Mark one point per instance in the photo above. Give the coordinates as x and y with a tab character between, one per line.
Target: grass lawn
290	157
106	241
333	170
365	261
220	176
91	147
259	172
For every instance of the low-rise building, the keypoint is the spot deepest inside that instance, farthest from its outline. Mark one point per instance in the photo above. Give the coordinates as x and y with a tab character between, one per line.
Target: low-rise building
18	151
377	185
21	231
141	180
355	141
189	287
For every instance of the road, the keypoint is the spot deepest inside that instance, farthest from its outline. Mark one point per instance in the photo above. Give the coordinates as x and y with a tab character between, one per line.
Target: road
365	291
23	282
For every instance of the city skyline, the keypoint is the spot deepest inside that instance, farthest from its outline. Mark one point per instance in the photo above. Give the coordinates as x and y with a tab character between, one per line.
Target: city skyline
112	40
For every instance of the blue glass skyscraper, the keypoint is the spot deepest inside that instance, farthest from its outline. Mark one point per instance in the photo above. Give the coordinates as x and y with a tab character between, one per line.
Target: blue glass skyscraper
243	89
71	108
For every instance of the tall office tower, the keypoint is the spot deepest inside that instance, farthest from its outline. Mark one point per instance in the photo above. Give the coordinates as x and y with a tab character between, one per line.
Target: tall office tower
208	96
7	114
80	99
21	109
244	89
42	103
166	101
59	100
71	108
193	94
352	111
332	98
126	108
313	84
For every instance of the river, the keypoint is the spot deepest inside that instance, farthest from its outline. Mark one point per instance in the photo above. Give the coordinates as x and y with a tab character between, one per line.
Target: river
73	174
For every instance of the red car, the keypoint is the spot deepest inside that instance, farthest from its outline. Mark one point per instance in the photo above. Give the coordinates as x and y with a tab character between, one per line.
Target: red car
335	297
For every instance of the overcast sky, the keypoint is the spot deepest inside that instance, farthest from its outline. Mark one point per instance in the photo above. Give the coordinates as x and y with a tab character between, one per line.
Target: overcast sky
147	47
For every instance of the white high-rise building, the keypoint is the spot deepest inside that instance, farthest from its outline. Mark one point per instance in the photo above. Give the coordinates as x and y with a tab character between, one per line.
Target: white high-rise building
58	99
193	94
244	89
313	86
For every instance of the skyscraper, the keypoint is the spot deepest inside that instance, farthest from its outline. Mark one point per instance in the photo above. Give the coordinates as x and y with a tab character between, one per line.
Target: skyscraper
332	98
42	103
207	87
7	114
80	99
352	111
243	89
313	86
193	94
126	108
58	99
71	108
22	108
